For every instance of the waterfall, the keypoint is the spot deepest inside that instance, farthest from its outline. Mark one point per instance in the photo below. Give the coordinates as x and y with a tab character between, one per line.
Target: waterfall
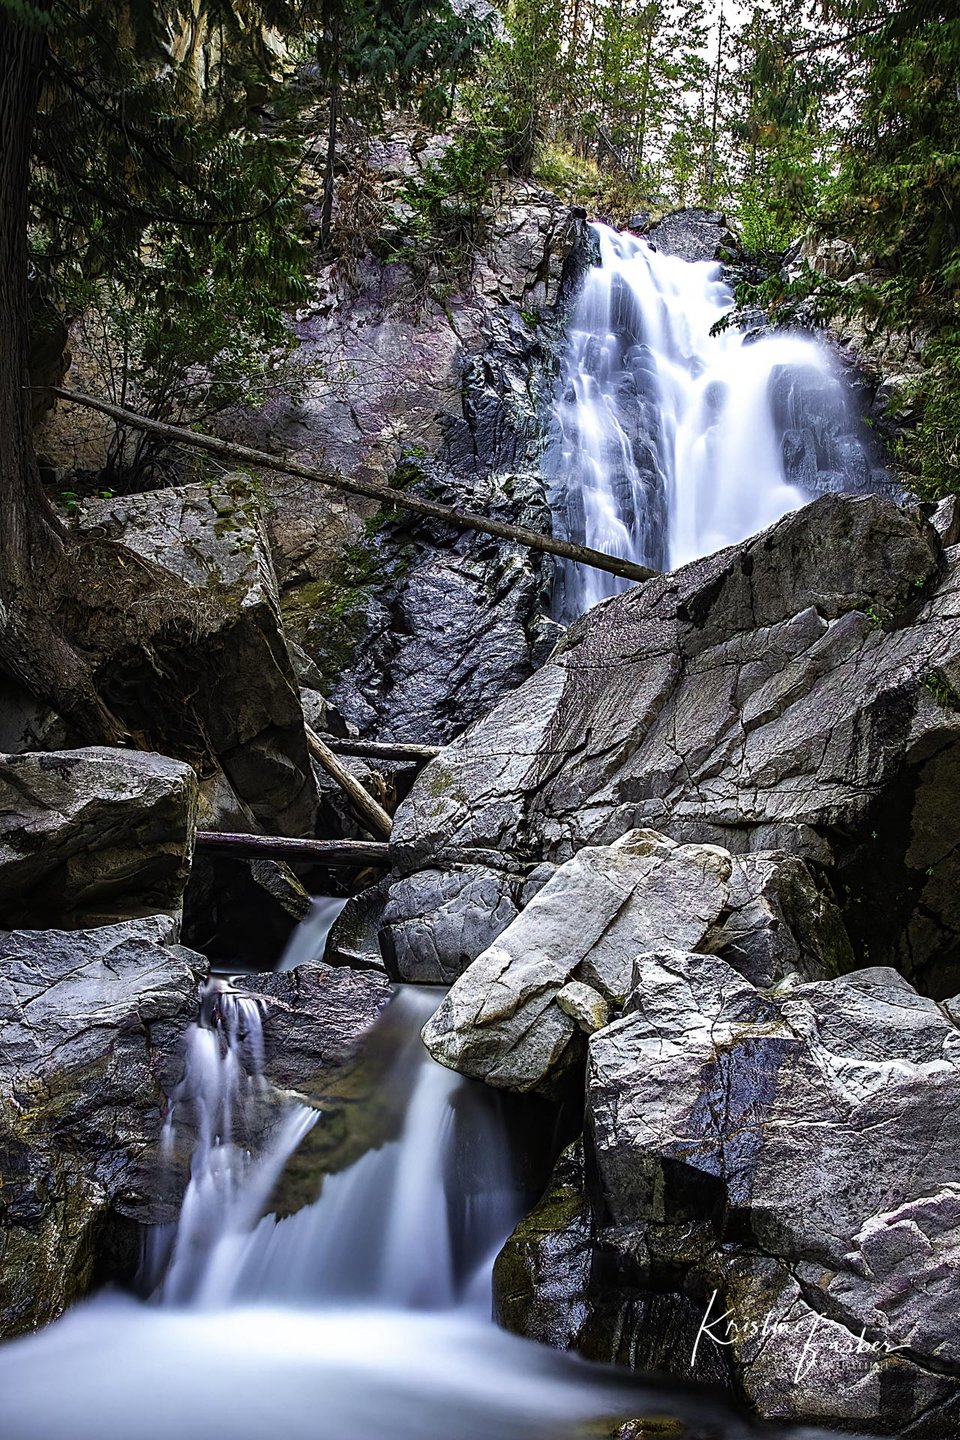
221	1098
669	443
309	940
364	1313
407	1225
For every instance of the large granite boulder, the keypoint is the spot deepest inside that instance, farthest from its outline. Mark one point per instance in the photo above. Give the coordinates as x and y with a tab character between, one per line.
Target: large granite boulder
90	1029
517	1016
199	662
796	692
92	836
789	1157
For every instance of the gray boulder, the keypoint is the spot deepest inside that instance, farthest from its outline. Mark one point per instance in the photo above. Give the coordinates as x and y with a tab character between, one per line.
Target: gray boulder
789	1157
796	692
428	927
692	235
90	1028
201	664
517	1016
92	836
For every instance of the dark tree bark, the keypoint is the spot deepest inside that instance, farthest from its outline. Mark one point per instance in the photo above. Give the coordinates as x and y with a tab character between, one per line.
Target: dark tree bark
33	647
333	125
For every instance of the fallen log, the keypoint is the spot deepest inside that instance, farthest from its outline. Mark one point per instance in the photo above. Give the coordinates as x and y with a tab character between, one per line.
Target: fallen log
381	749
277	847
393	499
370	814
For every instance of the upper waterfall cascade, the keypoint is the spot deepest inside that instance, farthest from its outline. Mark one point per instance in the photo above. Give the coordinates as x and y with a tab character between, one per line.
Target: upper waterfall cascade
670	442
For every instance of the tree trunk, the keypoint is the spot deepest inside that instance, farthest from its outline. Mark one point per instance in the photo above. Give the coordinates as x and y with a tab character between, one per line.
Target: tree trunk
390	499
326	211
33	648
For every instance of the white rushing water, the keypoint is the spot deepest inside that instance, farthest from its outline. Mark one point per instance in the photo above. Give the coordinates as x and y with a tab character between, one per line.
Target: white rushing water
666	445
308	942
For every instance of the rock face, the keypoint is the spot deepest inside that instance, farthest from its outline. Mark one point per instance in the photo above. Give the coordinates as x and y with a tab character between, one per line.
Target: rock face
90	1028
399	615
826	448
223	695
551	1283
793	1151
796	692
768	1181
454	621
517	1016
95	835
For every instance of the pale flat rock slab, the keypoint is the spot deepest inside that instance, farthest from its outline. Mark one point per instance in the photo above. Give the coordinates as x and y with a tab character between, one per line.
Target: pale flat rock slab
500	1021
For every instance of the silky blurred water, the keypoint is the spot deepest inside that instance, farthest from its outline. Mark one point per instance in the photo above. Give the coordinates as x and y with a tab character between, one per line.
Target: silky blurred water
364	1314
666	444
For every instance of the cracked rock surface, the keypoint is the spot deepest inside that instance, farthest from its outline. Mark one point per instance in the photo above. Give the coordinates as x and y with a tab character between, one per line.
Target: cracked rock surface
223	696
768	1177
797	692
516	1018
90	1028
820	1121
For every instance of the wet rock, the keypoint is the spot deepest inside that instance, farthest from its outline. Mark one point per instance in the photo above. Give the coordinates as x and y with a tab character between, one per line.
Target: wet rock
398	614
551	1284
437	921
90	1030
452	614
354	939
789	1156
94	835
796	693
692	235
428	927
825	446
319	1015
501	1021
217	687
323	1043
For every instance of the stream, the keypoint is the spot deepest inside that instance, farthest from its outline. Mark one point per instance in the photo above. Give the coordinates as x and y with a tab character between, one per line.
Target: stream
366	1313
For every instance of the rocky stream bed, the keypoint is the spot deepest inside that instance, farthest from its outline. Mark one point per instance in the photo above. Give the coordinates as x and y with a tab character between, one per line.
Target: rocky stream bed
689	869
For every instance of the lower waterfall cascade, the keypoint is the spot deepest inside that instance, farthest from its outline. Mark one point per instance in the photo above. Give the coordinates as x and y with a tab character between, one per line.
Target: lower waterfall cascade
364	1313
669	442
